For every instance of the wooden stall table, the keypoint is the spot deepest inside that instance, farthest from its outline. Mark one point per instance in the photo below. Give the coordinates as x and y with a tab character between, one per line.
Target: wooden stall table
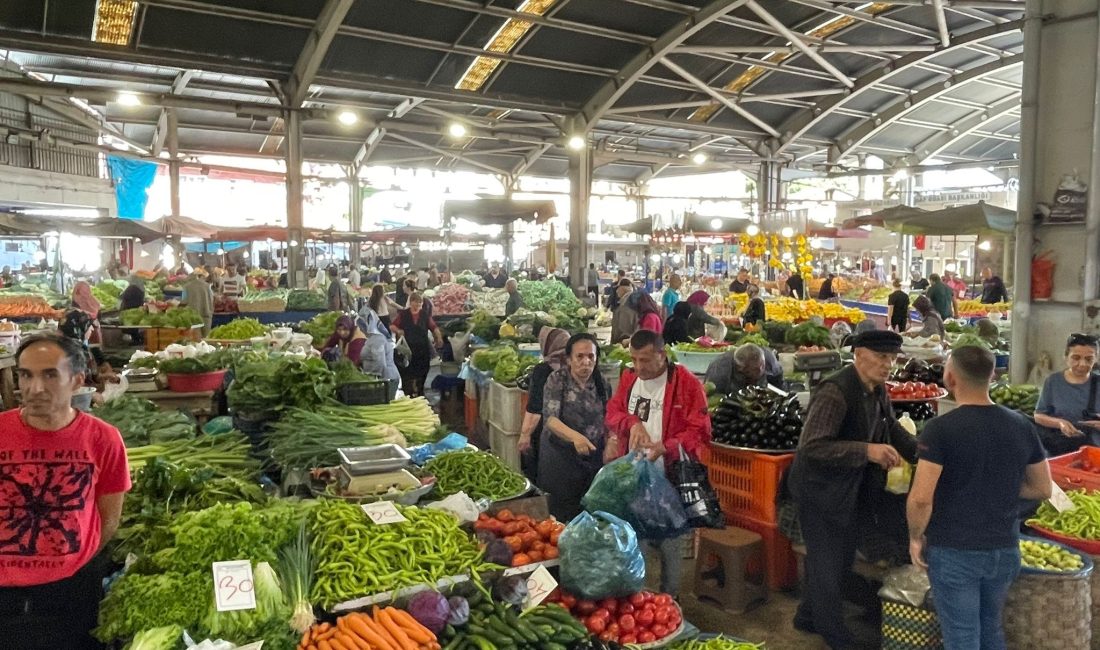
158	338
7	381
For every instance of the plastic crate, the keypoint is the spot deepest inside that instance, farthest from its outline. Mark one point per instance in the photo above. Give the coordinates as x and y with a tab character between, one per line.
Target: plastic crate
364	393
158	338
780	562
471	413
505	446
1067	472
483	403
505	407
747	483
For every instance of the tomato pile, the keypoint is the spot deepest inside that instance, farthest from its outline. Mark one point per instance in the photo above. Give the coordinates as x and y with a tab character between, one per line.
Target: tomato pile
531	541
913	390
644	617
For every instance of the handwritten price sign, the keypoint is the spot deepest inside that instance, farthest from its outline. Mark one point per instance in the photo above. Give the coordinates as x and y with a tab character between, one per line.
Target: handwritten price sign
539	585
233	587
383	512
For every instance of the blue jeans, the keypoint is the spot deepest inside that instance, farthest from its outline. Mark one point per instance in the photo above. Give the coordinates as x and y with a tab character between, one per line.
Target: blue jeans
969	590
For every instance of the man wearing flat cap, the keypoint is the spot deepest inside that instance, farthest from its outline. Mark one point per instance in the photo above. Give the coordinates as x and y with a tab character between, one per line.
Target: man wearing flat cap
850	440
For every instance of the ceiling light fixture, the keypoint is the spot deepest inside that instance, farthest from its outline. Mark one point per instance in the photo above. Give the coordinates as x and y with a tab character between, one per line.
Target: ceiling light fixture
347	118
456	130
716	224
699	158
128	99
577	142
752	230
787	232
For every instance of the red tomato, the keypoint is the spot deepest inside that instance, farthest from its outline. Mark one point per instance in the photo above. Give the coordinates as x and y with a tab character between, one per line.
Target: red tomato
555	596
607	637
650	606
610	604
648	595
602	613
647	637
585	607
626	623
626	608
628	639
661	616
659	631
644	618
568	601
637	599
596	625
674	620
614	630
662	600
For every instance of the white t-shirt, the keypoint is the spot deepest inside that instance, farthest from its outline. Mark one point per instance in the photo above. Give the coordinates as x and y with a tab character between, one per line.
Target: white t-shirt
354	278
647	402
234	285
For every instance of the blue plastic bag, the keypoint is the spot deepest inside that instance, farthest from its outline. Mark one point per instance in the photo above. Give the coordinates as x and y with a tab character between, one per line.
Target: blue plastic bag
600	557
423	453
636	490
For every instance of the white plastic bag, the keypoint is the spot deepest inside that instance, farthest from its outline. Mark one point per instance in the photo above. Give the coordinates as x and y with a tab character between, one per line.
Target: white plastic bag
459	505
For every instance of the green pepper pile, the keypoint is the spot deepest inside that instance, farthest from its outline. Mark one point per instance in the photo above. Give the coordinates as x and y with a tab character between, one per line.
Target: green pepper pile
504	361
173	317
1083	522
306	300
356	557
238	329
479	474
715	643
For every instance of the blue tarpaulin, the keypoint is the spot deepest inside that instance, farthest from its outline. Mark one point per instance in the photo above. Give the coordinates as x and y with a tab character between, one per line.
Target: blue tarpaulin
132	179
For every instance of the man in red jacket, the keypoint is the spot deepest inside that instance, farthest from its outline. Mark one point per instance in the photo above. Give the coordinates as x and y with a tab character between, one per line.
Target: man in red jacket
658	407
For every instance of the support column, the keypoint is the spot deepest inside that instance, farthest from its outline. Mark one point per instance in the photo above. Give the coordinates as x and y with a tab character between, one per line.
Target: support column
770	185
861	194
508	234
580	191
905	242
172	142
294	219
355	212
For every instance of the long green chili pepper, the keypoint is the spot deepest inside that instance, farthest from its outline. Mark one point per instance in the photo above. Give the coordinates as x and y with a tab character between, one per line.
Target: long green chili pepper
479	474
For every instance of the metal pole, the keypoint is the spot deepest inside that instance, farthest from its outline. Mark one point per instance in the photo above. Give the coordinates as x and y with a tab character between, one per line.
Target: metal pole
172	123
580	190
294	219
905	242
1092	216
1025	203
355	214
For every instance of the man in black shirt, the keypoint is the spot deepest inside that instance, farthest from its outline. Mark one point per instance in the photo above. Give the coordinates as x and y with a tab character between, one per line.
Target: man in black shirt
974	464
796	286
897	309
741	284
993	288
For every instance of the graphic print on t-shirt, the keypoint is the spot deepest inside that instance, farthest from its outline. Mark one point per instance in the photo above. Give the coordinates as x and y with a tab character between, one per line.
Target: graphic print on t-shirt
40	507
641	408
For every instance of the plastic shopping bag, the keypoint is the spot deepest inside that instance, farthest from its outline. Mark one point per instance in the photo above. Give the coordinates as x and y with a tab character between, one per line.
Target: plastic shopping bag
600	557
698	497
656	511
614	488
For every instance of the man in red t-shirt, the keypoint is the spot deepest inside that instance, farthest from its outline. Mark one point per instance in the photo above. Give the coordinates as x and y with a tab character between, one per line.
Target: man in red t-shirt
63	475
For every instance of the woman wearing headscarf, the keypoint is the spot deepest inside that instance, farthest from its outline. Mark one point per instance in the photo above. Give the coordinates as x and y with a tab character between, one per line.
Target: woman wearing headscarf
416	325
932	322
649	314
376	356
87	303
134	295
552	344
77	325
699	319
345	343
755	312
676	327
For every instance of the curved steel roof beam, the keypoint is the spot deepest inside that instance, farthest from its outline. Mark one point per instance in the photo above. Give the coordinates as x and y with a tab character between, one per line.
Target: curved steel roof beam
866	129
943	141
604	98
799	124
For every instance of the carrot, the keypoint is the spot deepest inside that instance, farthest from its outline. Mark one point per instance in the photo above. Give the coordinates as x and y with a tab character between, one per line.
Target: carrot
351	641
383	617
415	630
306	637
324	645
327	634
336	644
358	623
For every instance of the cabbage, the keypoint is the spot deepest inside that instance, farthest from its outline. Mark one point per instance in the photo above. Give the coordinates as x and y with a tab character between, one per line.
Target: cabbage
431	610
460	611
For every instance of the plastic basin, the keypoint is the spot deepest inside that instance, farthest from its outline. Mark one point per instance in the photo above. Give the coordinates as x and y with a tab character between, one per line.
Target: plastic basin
196	383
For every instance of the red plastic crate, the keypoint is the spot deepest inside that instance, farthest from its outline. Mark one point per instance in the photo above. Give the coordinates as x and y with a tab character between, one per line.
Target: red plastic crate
780	563
1067	472
747	482
471	413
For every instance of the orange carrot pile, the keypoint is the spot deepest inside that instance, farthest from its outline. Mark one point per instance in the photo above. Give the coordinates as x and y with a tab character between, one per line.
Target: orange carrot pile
383	629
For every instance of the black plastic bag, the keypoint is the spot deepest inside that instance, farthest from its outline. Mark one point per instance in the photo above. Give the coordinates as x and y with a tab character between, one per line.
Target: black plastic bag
698	497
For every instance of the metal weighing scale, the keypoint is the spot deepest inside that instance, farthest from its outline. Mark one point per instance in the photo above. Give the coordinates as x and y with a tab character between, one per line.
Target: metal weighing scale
817	365
140	380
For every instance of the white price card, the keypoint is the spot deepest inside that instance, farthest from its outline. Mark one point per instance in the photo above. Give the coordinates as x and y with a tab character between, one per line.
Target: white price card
539	585
1059	500
233	587
383	512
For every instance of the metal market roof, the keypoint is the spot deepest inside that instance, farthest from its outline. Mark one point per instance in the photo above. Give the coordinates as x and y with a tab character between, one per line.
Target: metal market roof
651	82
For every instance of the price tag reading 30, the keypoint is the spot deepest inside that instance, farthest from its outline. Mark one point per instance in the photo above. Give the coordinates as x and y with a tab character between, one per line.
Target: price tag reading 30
539	585
383	512
233	587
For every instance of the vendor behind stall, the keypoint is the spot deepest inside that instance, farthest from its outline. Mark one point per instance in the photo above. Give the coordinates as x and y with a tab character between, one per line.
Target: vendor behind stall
198	295
748	365
932	322
1068	411
755	312
345	343
697	323
676	327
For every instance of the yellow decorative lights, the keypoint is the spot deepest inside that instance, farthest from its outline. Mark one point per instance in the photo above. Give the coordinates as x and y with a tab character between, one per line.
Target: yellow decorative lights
114	21
503	42
777	247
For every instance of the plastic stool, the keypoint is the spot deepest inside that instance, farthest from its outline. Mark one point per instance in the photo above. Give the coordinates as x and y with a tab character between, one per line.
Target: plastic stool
729	583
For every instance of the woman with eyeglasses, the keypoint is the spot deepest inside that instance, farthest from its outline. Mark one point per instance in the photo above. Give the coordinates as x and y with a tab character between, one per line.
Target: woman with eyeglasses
1068	410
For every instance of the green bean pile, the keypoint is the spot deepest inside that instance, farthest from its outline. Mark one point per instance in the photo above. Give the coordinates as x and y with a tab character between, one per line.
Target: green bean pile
717	643
1082	522
479	474
356	557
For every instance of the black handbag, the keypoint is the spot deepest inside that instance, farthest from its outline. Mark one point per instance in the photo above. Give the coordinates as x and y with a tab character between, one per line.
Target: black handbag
697	495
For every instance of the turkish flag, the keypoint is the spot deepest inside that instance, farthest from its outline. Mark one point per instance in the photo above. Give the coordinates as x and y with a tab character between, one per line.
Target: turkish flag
918	242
